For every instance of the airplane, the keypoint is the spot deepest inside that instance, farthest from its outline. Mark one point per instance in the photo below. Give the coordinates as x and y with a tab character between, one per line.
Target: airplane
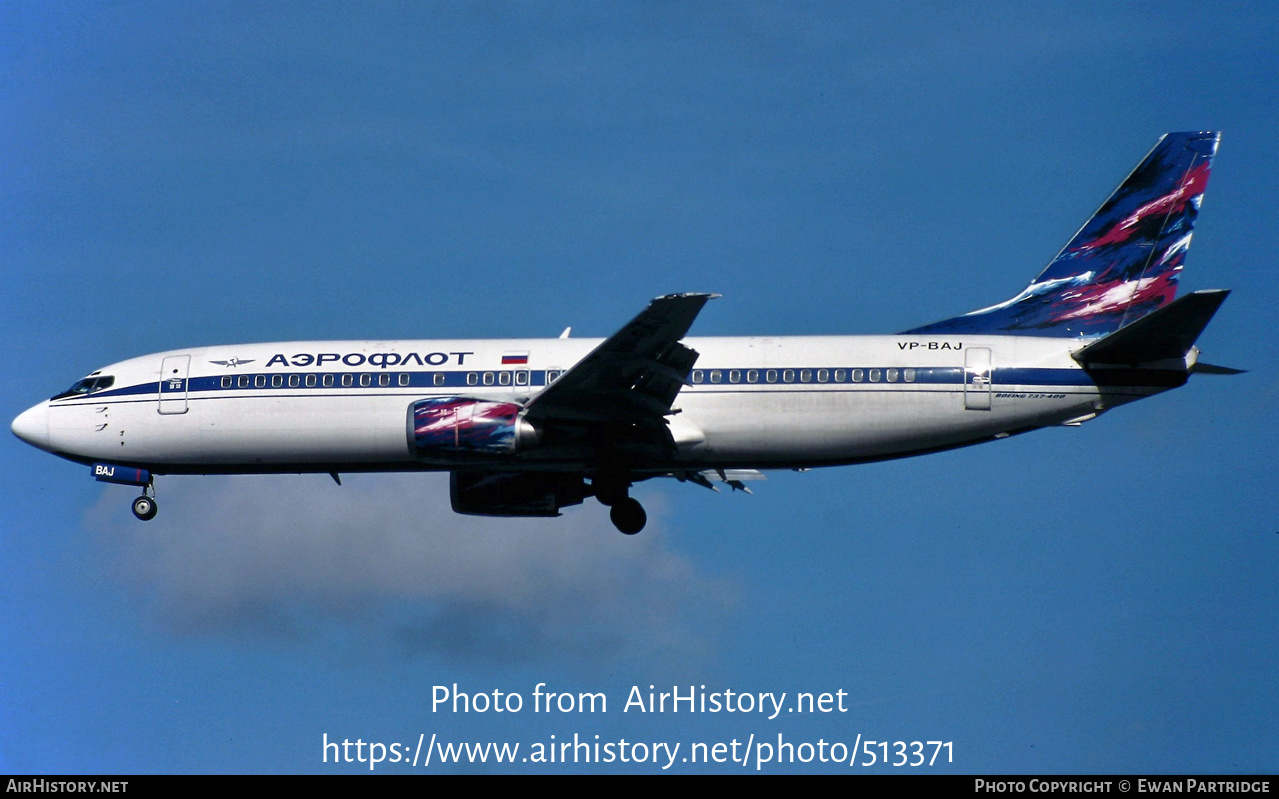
527	427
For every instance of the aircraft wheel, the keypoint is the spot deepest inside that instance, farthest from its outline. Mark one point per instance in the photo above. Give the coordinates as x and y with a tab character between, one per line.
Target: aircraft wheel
628	516
145	508
610	491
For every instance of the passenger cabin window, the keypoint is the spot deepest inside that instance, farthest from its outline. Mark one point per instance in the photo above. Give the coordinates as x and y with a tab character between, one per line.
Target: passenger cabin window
348	380
698	375
226	382
521	378
404	379
277	381
439	378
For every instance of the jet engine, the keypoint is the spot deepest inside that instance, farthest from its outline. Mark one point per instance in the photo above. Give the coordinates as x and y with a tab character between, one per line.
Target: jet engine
451	426
521	494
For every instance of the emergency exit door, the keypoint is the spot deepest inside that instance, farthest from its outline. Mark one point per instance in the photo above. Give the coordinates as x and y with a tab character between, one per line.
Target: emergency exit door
977	379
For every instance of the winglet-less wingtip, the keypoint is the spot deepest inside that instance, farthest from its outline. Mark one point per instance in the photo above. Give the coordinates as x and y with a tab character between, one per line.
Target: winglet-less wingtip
689	294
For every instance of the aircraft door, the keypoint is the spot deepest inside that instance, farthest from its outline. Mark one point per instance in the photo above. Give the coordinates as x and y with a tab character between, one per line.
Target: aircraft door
977	375
173	384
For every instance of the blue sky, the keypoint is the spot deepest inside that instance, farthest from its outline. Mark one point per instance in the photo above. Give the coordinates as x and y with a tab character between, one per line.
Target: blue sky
1076	600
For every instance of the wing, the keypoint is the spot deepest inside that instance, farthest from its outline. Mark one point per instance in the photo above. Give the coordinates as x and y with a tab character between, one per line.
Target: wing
631	378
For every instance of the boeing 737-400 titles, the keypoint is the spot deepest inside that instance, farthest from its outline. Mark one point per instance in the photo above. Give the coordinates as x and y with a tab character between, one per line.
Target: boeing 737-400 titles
526	427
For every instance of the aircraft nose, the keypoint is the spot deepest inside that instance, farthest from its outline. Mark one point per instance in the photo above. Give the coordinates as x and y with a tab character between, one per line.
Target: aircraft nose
32	426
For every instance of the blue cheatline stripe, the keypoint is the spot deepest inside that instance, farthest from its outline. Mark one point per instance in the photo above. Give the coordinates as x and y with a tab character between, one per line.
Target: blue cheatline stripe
213	383
1023	376
926	375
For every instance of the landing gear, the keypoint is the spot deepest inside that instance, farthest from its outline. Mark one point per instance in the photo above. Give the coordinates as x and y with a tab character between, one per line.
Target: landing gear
628	516
145	508
609	494
612	489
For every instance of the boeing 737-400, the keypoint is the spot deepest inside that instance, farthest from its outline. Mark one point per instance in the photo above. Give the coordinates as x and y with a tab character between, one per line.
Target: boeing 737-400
527	427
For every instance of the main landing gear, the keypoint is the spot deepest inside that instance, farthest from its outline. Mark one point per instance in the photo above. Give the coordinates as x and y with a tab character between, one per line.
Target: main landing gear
145	507
626	513
628	516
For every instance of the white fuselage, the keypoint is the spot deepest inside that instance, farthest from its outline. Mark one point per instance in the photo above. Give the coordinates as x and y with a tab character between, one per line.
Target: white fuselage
753	402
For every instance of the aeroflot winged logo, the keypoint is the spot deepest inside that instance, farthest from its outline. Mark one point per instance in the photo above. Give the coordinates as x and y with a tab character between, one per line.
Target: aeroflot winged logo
233	361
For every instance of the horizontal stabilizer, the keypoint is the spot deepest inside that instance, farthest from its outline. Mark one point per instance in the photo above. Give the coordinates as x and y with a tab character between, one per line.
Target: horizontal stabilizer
1166	334
1202	368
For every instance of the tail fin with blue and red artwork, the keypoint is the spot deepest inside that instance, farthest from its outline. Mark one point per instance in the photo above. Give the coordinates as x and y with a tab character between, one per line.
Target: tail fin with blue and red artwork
1122	264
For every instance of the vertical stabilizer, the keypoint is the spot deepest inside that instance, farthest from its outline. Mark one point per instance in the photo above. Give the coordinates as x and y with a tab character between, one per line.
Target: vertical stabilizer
1123	263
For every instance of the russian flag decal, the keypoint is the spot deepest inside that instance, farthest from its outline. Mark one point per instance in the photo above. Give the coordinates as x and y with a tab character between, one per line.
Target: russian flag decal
515	359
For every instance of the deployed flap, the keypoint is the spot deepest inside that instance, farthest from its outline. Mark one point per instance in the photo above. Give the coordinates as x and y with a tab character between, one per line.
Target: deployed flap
733	478
635	374
1166	334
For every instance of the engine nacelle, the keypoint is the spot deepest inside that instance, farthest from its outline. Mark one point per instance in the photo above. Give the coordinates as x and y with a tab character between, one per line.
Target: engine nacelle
449	426
522	494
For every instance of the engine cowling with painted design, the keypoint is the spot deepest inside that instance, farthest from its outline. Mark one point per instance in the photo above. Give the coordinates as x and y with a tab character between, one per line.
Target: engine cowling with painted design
448	427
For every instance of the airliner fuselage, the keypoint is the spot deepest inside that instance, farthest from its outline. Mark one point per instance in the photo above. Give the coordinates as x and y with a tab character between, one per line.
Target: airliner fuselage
528	426
753	402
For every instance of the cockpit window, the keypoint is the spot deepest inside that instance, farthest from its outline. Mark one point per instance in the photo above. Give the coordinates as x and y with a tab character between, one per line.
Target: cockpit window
82	387
88	385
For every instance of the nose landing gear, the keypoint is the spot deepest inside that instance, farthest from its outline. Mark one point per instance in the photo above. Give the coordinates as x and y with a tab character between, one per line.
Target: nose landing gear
145	506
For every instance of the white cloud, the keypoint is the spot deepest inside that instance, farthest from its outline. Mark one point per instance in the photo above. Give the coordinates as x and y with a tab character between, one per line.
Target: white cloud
384	556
